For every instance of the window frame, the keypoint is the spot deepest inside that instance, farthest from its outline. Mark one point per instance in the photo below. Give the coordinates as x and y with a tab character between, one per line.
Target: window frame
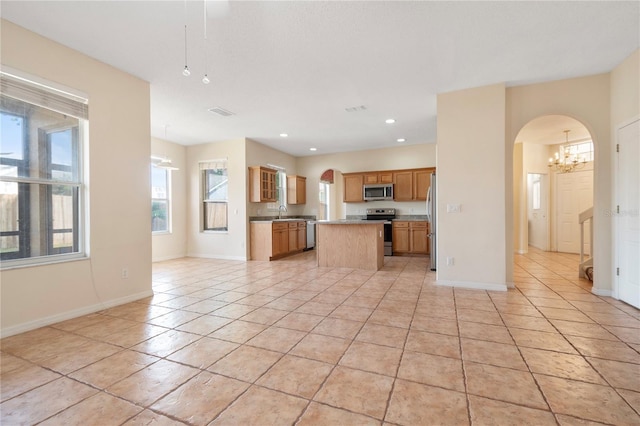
206	201
37	227
167	200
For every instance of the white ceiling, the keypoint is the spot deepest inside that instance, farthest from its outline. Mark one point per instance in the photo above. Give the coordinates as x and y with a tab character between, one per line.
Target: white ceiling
293	67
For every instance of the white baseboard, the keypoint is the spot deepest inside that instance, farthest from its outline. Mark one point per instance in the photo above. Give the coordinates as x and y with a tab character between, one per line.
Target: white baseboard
216	256
473	285
602	292
164	258
63	316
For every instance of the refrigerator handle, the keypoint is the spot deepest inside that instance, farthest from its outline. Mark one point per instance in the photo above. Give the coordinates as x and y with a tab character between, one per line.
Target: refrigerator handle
429	205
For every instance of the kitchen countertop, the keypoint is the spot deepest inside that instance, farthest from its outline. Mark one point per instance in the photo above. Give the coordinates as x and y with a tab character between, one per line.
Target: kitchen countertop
349	222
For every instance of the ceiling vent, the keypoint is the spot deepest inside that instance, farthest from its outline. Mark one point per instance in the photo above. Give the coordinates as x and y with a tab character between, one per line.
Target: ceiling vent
220	111
356	108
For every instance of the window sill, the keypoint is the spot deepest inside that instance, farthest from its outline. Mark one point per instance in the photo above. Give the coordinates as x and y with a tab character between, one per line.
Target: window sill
214	232
7	265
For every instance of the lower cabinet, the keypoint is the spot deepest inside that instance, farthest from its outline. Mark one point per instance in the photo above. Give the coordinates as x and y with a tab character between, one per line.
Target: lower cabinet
272	240
410	237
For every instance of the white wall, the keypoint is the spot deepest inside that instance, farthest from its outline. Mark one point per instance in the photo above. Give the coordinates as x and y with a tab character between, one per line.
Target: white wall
625	106
221	245
173	245
400	157
118	189
471	173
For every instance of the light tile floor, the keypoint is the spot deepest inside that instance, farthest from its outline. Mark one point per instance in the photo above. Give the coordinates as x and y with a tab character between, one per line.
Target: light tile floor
286	342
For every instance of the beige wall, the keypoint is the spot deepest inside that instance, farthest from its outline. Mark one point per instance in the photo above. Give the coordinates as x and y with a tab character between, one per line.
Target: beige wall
174	244
471	173
261	155
221	245
118	191
587	100
400	157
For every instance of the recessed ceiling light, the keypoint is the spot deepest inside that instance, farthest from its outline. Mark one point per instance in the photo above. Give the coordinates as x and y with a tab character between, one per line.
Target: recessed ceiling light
313	149
401	139
284	135
390	121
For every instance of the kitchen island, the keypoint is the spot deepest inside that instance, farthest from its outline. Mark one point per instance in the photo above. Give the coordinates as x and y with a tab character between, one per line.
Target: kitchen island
350	243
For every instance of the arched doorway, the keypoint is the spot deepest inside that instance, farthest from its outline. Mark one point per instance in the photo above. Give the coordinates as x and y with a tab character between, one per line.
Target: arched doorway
330	205
553	187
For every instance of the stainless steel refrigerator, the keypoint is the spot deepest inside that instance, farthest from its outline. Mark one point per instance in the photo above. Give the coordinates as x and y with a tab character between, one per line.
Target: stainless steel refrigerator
431	218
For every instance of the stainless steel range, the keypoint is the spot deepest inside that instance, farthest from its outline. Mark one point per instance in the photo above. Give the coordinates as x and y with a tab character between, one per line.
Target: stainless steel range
387	215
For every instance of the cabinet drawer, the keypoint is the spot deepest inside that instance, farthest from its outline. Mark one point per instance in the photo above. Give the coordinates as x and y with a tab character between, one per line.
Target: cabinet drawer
293	225
280	226
418	224
400	224
302	225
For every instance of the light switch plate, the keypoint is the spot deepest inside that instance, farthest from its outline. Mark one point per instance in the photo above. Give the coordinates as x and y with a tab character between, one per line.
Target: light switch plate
453	208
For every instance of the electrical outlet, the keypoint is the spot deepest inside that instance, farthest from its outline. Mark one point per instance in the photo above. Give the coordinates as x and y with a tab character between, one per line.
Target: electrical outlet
450	261
125	273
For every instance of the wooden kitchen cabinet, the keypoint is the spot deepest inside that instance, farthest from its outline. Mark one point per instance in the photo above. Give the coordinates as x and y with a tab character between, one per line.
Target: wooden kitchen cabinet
280	239
411	185
273	240
262	184
403	186
353	188
400	237
302	235
421	183
418	241
296	189
378	177
410	237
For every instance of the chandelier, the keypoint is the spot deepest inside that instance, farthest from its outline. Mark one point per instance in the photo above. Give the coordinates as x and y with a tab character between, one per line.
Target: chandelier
568	163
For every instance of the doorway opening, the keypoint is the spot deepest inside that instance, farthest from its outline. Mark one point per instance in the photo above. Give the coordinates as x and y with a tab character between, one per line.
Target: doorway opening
553	189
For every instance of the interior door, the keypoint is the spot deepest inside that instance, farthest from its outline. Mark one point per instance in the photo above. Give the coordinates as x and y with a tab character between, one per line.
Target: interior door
574	194
628	219
538	210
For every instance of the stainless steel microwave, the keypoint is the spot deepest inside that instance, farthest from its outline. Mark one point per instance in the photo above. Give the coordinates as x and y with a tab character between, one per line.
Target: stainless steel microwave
378	192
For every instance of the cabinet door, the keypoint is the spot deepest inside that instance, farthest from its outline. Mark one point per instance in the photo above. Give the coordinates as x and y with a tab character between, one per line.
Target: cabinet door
418	237
403	186
296	189
385	177
293	239
262	184
353	189
302	236
371	178
401	237
421	183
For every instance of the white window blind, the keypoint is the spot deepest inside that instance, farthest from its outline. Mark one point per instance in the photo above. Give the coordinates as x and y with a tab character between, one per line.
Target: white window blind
43	96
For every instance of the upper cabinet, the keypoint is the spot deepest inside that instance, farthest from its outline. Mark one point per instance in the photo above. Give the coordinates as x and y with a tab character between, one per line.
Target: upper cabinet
411	185
353	188
296	189
378	177
408	185
262	184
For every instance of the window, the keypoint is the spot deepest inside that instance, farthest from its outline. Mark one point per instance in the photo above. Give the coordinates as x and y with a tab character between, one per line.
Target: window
323	198
582	151
215	198
535	191
160	207
41	181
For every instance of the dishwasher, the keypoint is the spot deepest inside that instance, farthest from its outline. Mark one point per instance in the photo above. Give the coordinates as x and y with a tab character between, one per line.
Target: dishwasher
311	234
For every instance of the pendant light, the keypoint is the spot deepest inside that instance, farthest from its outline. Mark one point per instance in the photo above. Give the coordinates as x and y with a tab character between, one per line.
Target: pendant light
185	71
205	79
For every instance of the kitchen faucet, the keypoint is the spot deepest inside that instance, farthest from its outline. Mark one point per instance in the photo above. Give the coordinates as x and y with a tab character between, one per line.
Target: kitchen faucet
280	210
